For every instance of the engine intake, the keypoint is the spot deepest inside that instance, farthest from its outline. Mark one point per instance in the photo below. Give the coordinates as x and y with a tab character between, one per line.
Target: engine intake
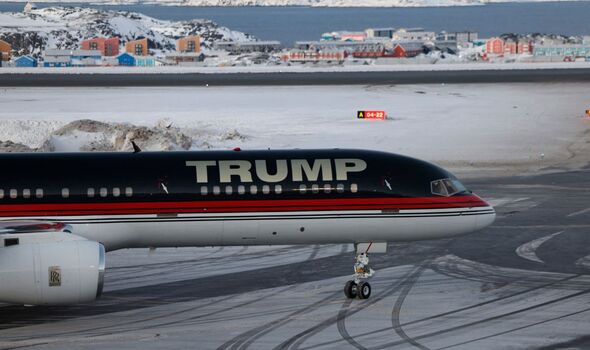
60	273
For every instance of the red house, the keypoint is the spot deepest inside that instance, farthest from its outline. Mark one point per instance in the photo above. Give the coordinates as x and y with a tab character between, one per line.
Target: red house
107	46
409	49
495	46
518	47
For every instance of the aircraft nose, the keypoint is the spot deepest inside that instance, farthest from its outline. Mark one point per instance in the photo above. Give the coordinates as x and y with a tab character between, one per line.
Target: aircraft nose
487	217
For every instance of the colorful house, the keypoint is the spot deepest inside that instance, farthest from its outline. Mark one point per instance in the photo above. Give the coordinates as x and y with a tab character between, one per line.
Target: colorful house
517	47
189	44
25	61
495	46
108	47
57	58
408	49
353	36
86	58
137	47
570	50
145	61
5	50
126	59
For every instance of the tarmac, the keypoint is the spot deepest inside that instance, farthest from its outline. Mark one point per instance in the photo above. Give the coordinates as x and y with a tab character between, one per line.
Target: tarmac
298	78
524	282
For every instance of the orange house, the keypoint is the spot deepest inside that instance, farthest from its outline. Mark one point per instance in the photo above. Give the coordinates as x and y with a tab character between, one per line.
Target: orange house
5	49
108	47
495	46
189	44
137	47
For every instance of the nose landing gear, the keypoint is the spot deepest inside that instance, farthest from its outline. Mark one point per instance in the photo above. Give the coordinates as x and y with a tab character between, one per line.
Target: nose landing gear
356	287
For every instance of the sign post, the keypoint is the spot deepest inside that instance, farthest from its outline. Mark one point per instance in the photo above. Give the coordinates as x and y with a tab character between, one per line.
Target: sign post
379	115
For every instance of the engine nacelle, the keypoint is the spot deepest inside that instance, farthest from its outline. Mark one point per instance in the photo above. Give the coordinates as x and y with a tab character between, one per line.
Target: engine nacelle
57	273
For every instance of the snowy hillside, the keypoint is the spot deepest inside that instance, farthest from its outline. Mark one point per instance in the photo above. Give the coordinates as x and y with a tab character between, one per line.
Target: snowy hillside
65	27
317	3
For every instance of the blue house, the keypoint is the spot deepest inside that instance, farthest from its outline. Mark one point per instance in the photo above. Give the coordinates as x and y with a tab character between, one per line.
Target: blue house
145	61
126	59
25	61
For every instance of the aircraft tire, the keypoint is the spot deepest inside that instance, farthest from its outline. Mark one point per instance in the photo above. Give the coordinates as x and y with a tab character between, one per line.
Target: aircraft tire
350	289
364	290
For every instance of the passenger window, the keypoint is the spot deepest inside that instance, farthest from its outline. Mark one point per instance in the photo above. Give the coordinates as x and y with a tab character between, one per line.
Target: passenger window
340	188
302	189
13	193
204	190
65	192
1	194
39	193
103	192
278	189
266	189
128	191
229	190
327	188
241	189
26	193
354	188
116	192
90	192
216	190
253	189
315	188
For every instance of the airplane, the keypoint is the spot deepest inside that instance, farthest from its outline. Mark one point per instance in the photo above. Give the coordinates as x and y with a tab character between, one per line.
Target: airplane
60	212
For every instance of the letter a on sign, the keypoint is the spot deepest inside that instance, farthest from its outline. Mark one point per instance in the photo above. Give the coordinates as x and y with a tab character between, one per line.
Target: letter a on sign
360	114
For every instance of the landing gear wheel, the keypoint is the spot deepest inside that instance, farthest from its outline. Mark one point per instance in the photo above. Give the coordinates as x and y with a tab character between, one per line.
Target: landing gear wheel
364	290
350	289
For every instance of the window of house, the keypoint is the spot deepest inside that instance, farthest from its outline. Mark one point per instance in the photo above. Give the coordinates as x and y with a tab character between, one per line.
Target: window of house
116	191
128	191
65	192
26	193
90	192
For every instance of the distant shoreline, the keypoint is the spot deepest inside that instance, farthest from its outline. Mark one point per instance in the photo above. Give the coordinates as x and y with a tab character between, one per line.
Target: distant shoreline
203	3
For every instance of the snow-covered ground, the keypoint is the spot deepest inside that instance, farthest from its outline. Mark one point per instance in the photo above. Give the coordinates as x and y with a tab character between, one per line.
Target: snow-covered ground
301	69
317	3
496	129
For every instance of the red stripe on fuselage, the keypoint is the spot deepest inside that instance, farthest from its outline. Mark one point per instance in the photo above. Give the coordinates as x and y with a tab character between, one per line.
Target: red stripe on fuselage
230	206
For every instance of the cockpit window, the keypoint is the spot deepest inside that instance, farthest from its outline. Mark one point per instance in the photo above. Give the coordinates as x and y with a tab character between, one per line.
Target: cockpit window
447	187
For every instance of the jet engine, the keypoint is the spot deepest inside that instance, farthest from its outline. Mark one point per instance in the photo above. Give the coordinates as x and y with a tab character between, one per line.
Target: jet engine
51	273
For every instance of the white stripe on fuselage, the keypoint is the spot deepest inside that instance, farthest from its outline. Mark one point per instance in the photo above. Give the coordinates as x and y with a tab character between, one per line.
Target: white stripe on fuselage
255	228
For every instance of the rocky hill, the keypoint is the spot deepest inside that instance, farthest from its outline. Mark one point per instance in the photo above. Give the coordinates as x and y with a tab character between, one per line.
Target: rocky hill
65	27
